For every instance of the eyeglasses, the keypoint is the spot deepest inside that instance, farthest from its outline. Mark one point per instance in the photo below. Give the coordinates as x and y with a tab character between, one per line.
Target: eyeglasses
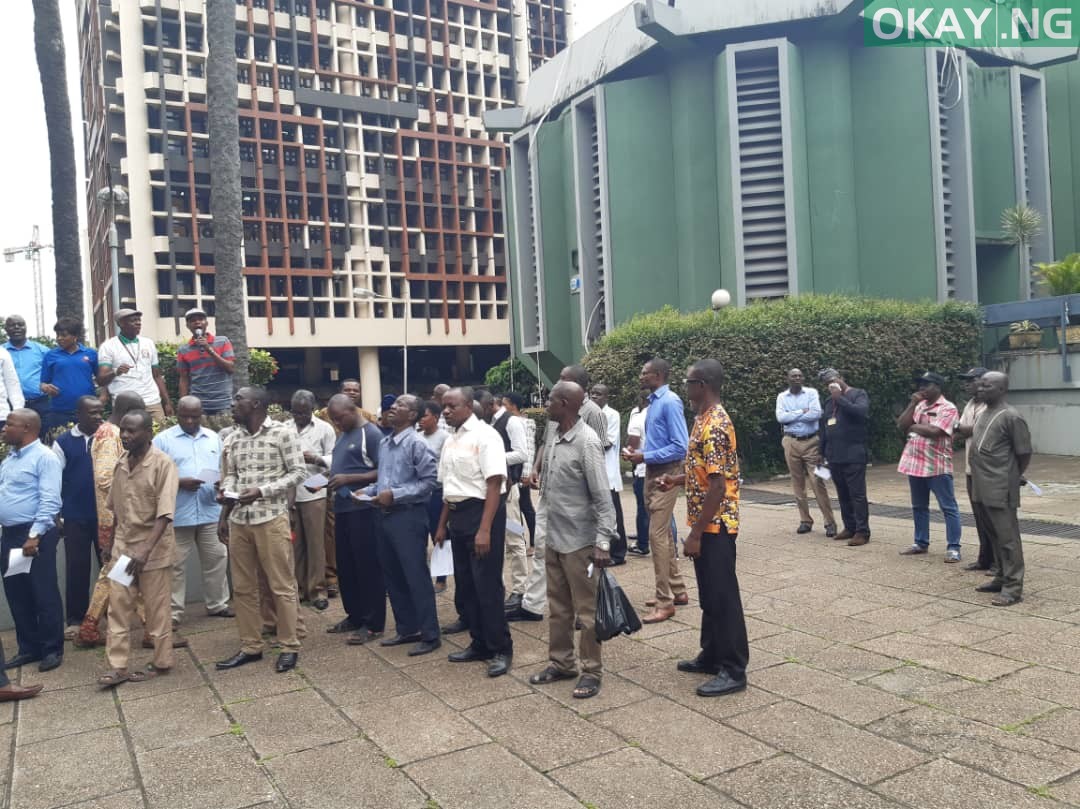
693	381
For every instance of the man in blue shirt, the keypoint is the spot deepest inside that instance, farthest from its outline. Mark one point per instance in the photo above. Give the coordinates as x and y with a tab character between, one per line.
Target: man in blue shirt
196	451
798	410
406	477
30	483
353	465
68	372
28	356
666	441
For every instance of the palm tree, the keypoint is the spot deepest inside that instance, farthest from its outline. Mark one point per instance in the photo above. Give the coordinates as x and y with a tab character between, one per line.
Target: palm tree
49	47
224	123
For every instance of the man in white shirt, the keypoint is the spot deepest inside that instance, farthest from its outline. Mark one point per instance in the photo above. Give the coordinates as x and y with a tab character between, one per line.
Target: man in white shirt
129	362
599	394
308	511
635	440
472	471
11	394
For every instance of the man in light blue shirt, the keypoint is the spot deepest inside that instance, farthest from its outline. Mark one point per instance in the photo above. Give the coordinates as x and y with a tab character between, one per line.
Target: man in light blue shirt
407	475
798	410
27	356
666	441
196	451
30	479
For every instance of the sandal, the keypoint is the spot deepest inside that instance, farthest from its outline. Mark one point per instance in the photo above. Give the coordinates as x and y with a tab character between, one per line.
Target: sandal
142	676
587	686
113	678
550	675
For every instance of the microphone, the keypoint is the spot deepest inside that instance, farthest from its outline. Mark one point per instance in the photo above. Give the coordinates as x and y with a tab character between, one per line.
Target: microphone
198	336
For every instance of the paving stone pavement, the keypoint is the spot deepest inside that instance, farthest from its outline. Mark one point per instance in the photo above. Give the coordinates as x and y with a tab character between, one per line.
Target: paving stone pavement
876	681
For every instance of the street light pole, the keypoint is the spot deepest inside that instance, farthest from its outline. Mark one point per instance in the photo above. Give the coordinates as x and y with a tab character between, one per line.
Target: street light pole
366	293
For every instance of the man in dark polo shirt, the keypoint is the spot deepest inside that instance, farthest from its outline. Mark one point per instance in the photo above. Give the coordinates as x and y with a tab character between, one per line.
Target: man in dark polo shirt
843	430
205	366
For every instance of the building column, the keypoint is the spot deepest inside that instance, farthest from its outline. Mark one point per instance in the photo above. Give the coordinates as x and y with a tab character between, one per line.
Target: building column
462	364
313	369
370	381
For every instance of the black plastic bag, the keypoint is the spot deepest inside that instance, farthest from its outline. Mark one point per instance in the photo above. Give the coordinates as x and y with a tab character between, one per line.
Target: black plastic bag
614	613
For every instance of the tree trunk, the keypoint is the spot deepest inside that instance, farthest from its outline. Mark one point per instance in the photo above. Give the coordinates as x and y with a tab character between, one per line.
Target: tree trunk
224	124
49	46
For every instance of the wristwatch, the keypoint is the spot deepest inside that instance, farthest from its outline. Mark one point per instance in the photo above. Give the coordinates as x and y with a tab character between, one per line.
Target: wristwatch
603	545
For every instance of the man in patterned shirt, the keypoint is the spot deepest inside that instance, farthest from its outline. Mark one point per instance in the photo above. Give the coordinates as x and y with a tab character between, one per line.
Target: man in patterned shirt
711	478
929	421
262	461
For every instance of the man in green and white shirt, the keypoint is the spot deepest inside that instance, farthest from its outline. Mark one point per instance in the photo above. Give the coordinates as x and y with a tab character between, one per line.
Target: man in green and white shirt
128	362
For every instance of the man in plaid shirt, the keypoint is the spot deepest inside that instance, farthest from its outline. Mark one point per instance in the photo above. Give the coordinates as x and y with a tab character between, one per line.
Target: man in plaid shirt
262	460
929	421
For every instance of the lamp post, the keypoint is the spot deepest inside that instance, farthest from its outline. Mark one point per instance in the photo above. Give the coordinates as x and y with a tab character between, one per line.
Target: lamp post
368	294
113	195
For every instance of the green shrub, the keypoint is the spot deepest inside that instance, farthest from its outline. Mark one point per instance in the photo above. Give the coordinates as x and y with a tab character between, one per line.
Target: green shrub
263	367
499	378
879	345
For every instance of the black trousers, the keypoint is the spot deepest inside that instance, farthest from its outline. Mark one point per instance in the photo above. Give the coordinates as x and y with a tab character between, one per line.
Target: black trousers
618	547
641	519
985	531
403	557
360	577
5	681
723	627
34	597
528	512
80	543
480	581
850	482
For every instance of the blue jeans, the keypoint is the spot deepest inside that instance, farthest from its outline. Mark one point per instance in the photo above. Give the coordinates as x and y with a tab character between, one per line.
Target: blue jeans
942	487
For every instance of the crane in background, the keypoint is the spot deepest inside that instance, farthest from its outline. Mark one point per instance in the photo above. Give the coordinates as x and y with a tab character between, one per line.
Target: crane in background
32	252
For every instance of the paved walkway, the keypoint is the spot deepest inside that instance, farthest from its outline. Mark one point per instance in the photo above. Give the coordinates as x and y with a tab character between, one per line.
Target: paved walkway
876	681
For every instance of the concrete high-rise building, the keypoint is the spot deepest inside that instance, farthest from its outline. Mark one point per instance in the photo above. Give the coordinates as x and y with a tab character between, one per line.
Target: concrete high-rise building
365	167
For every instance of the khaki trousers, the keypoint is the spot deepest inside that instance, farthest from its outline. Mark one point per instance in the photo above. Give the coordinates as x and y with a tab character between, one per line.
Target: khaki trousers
155	588
517	547
214	561
669	581
157	412
309	528
802	456
263	548
572	596
330	546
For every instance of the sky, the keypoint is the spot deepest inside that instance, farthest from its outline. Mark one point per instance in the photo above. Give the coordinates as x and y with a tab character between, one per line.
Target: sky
25	198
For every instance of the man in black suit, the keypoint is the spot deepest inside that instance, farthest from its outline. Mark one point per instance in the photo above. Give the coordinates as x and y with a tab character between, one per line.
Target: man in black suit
844	421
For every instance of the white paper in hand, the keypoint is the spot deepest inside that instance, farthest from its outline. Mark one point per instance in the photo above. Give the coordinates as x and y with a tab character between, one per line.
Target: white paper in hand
361	497
823	472
17	563
119	572
1035	489
442	560
230	495
515	527
209	476
316	482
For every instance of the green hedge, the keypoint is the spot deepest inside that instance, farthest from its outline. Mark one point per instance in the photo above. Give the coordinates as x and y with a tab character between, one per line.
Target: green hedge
879	345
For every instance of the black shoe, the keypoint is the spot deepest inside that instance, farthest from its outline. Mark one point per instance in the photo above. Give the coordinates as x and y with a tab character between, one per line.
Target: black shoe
697	666
342	626
1005	600
513	602
21	660
720	685
400	640
455	627
286	661
425	647
237	660
500	665
989	587
331	592
830	531
50	662
320	604
638	551
617	562
521	614
804	528
467	655
975	566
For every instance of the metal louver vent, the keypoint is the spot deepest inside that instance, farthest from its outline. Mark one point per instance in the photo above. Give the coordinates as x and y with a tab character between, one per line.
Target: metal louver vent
529	276
590	190
597	233
946	96
762	200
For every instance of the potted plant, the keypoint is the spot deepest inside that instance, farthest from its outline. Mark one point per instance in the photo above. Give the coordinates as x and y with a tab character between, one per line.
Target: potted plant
1025	334
1062	278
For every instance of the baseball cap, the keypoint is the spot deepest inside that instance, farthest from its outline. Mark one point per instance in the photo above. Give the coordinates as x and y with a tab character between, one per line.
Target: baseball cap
388	401
974	373
125	313
190	313
931	378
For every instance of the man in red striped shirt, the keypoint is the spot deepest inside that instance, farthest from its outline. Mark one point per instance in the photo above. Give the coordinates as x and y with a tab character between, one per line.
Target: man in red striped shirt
205	366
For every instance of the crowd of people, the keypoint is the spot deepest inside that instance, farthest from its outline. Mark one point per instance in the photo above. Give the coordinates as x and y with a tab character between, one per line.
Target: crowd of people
342	503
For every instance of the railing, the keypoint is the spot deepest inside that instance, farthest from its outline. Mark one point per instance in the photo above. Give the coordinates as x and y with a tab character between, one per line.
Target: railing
1042	311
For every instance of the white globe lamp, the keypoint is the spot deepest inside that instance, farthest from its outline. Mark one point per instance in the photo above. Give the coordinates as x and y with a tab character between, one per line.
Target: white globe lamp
720	299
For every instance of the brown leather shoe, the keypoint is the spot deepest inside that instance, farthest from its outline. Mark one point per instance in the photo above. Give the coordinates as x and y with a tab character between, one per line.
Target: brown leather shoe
680	601
178	641
845	534
659	615
857	540
12	692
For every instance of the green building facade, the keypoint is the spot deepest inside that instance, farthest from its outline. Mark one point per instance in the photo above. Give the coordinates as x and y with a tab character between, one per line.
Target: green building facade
671	153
